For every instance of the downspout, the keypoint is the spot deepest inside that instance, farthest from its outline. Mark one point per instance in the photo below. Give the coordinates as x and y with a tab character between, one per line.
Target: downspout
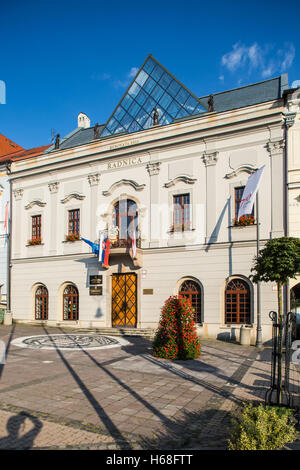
289	119
8	310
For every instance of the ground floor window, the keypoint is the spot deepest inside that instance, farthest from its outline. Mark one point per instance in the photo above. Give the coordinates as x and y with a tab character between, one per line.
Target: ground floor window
70	303
237	302
41	303
191	290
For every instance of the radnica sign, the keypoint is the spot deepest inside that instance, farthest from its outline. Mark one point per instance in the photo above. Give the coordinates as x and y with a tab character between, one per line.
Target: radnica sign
125	162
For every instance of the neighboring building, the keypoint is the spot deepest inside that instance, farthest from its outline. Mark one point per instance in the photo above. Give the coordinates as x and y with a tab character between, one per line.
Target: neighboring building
7	147
171	168
9	151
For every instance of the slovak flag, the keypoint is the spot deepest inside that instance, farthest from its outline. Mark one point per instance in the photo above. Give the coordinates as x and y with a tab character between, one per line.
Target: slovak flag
133	244
104	252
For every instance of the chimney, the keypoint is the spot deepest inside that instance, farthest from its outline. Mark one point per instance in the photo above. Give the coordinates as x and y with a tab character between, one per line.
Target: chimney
83	120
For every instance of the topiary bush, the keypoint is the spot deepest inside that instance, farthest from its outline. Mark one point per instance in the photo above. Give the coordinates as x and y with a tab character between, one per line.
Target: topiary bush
262	428
176	337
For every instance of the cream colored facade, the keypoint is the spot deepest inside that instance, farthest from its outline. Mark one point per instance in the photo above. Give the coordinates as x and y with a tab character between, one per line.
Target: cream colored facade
205	157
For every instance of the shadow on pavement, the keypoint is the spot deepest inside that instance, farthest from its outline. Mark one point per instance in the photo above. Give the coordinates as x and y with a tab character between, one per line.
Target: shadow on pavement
14	439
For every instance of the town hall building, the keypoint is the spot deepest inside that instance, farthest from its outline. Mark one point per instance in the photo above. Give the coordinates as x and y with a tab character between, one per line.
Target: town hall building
165	172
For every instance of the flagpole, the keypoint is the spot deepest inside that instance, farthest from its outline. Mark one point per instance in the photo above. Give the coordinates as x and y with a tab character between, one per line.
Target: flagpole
258	330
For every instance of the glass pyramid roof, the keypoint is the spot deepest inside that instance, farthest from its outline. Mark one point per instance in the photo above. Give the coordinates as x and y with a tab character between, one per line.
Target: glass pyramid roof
152	88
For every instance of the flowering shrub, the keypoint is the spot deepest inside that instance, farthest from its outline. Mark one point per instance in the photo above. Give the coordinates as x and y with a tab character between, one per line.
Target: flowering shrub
73	237
176	336
35	241
262	428
245	220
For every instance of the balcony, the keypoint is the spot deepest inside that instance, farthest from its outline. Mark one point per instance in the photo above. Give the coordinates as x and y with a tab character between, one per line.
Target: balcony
123	246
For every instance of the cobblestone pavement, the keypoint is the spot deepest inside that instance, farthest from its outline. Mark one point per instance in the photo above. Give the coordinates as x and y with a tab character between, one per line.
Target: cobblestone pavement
124	398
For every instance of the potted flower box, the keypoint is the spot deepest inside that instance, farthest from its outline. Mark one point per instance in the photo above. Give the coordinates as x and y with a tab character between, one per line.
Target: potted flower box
72	237
35	241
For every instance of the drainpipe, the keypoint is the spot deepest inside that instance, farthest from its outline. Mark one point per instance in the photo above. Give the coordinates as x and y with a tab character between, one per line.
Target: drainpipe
289	119
8	319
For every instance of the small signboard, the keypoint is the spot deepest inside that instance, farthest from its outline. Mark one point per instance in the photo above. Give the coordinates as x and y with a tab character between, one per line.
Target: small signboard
95	279
148	291
96	290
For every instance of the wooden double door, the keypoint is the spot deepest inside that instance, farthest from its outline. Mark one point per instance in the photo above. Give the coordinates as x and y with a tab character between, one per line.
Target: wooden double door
124	300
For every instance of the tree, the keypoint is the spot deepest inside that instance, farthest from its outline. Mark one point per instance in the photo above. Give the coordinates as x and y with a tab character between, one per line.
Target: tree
176	337
278	262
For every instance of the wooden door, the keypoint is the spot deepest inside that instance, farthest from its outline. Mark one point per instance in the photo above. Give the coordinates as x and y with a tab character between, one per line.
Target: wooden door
124	300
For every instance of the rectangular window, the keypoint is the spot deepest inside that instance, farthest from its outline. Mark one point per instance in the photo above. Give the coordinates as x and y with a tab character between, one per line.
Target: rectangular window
74	222
36	226
181	213
238	194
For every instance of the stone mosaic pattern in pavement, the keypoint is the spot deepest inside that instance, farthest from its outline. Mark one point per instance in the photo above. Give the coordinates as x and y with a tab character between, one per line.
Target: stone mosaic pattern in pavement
124	398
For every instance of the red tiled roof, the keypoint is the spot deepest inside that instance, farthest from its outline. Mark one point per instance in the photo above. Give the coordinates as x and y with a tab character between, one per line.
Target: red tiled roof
22	154
7	146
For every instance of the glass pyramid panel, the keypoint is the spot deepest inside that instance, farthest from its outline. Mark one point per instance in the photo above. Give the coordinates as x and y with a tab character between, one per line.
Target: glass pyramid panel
153	87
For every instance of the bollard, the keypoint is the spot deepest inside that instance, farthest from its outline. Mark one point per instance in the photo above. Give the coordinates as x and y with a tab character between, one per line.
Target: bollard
245	335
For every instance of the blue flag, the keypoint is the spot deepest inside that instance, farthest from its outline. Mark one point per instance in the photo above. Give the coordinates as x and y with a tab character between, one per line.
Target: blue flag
95	246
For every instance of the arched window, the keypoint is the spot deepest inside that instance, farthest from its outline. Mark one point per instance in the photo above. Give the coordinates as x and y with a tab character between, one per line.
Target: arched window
41	303
126	219
71	303
191	290
237	302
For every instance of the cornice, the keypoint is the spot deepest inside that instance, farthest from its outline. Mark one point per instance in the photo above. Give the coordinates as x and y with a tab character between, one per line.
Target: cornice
68	198
242	169
133	184
35	203
183	179
158	138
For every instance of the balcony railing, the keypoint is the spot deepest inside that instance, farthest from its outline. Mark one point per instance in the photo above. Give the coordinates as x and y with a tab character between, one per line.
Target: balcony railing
124	243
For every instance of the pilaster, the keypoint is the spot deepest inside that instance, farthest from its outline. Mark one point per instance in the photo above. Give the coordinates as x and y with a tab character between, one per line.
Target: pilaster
276	151
210	160
153	169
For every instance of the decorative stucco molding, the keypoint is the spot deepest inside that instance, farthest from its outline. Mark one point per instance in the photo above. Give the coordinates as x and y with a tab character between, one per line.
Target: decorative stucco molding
153	168
184	179
35	203
53	187
94	179
133	184
242	169
80	197
289	119
18	193
210	158
275	147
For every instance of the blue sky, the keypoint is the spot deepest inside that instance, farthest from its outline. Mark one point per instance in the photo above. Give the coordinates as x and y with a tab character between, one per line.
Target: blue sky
59	58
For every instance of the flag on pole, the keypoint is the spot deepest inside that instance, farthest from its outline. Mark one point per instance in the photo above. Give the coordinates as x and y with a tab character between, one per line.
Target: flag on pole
95	246
105	252
101	239
133	244
247	201
6	217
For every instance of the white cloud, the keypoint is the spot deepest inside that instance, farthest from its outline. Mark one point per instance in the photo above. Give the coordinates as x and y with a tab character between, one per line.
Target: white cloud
263	60
133	72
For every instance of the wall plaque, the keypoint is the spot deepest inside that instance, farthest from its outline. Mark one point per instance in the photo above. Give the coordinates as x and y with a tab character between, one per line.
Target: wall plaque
95	290
148	291
96	279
